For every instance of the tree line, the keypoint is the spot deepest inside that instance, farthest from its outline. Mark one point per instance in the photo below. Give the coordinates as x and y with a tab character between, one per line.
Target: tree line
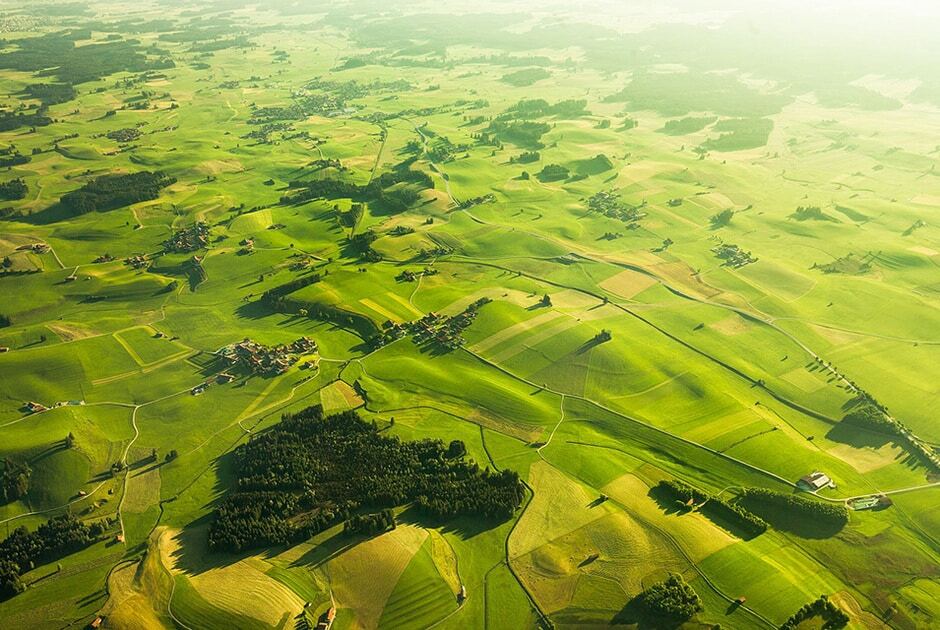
275	297
832	615
762	499
714	506
310	472
370	524
23	550
114	191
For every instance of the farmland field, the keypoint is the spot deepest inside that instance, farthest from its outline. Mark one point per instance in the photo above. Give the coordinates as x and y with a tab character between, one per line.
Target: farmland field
488	315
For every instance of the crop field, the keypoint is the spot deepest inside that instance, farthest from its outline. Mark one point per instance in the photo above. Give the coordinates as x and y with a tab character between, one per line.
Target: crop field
672	271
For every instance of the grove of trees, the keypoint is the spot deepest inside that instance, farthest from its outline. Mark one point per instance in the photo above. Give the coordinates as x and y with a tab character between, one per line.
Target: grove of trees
310	472
23	550
114	191
671	600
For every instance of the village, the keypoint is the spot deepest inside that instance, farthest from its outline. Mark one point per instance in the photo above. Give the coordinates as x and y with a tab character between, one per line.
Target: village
189	239
266	360
433	328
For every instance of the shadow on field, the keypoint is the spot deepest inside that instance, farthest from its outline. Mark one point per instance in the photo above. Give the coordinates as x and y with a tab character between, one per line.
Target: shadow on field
797	524
192	555
464	526
53	214
673	507
633	615
327	549
857	436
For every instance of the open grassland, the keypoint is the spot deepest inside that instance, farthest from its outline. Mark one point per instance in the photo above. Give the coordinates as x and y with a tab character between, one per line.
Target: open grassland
618	342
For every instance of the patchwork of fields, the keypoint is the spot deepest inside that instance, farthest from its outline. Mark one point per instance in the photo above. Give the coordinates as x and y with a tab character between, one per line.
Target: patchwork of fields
565	240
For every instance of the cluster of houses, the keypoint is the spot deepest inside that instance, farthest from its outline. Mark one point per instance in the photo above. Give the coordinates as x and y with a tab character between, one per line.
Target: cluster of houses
188	240
266	360
35	407
36	248
411	276
221	379
103	258
433	328
734	256
137	261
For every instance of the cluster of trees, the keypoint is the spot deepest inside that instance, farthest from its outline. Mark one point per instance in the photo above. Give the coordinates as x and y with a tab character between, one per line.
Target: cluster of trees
721	219
833	616
370	524
868	413
671	600
12	159
276	297
553	172
5	319
78	64
22	550
526	76
868	416
115	191
374	191
526	157
524	133
310	472
14	120
540	107
716	507
13	189
762	499
14	480
51	93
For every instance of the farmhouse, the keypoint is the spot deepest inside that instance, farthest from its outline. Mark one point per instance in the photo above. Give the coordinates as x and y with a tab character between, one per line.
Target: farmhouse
326	619
815	481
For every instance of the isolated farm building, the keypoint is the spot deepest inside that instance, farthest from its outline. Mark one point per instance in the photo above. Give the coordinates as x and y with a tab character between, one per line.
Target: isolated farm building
4	349
462	595
815	481
326	620
96	623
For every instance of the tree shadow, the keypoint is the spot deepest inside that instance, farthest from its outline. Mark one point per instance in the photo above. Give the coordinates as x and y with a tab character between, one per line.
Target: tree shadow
857	437
800	525
53	214
633	614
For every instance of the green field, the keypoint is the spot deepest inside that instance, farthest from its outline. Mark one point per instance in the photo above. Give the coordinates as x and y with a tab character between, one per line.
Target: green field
690	240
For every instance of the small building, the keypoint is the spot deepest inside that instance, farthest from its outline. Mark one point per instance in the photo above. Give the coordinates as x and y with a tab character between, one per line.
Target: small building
96	623
119	538
225	377
4	349
462	595
815	481
327	619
